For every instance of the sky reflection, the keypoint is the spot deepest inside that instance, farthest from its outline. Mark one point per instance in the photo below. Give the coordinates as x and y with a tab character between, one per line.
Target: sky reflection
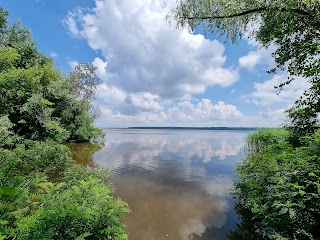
175	182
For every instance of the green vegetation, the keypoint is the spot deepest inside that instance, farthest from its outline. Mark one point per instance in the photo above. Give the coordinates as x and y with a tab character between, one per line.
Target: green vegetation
43	194
38	99
279	181
280	185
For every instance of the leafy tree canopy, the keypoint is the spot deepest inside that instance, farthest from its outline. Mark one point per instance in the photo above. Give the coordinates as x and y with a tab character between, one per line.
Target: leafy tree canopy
292	25
40	101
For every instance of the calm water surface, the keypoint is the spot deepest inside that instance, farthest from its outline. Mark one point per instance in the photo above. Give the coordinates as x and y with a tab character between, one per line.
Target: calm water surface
176	182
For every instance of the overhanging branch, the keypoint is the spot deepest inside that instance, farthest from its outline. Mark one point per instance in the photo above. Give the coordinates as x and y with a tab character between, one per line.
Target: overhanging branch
255	10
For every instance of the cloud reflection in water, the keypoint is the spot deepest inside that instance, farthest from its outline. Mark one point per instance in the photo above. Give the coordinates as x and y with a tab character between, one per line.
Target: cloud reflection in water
176	182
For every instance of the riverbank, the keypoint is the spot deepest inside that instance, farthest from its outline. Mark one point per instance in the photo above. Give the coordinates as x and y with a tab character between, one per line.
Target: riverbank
280	185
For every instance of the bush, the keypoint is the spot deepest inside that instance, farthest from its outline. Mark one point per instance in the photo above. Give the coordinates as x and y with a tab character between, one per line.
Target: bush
85	208
25	160
263	138
44	196
280	185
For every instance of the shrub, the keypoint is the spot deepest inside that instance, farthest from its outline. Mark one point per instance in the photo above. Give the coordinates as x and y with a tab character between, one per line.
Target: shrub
280	185
85	208
264	138
44	196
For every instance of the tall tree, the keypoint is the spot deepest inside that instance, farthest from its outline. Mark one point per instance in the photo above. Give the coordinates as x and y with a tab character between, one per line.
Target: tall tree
38	99
292	25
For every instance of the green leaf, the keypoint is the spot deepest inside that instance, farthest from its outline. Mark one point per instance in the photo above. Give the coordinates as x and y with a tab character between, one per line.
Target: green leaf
292	213
83	236
8	191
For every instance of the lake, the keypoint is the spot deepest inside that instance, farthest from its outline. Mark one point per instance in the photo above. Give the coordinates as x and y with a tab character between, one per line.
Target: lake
176	182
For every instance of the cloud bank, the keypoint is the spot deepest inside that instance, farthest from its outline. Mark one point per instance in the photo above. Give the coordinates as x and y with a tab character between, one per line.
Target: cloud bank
153	74
144	54
147	67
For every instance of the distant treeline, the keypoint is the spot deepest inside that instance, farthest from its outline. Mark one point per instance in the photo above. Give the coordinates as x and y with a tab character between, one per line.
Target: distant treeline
197	128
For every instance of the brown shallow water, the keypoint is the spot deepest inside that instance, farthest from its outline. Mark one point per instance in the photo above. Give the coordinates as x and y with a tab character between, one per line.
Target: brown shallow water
176	182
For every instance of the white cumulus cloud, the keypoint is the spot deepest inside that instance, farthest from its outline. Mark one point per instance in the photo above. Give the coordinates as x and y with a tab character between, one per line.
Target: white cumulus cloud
53	54
258	57
266	95
144	54
145	109
273	102
153	74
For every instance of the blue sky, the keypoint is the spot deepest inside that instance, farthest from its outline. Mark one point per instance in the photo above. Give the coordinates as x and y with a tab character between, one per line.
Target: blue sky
153	74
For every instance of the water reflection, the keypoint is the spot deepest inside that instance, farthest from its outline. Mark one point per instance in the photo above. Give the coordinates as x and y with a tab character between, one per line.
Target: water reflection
175	182
248	228
142	148
83	153
161	211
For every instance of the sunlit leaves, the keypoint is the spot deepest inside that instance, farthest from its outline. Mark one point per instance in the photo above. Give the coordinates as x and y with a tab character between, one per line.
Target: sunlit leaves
43	195
279	184
8	56
7	191
84	80
39	100
68	212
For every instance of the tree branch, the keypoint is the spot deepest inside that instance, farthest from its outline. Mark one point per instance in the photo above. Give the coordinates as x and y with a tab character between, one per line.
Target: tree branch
228	16
255	10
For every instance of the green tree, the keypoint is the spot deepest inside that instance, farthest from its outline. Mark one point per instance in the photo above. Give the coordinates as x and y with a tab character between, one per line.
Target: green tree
38	99
84	80
3	21
278	181
5	131
43	193
292	25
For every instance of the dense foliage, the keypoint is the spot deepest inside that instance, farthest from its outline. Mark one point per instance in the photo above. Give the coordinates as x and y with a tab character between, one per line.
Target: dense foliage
39	100
280	185
43	194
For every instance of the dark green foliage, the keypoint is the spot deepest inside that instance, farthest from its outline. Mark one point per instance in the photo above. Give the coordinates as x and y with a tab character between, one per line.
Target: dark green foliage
43	194
280	185
42	103
74	202
3	20
304	114
23	169
67	212
15	35
50	158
